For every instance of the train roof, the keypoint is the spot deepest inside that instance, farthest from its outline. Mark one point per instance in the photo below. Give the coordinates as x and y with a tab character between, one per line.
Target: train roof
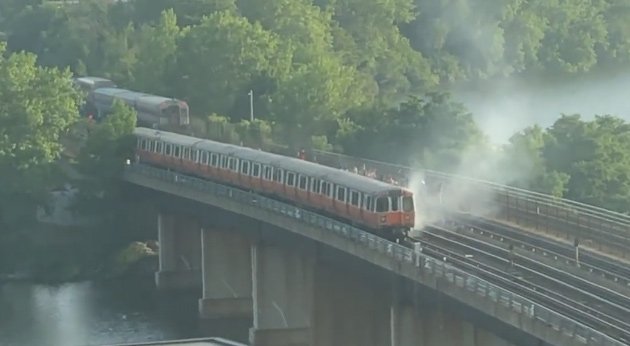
133	95
88	79
341	177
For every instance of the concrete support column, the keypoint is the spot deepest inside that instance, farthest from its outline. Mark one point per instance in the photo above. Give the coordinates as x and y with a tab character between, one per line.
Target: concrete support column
282	296
180	253
350	310
406	328
227	275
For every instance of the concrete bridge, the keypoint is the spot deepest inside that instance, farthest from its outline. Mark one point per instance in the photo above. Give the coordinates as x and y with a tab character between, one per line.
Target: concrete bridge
304	279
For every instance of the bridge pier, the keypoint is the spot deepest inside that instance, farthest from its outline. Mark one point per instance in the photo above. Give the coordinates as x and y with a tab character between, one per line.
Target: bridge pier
426	322
282	296
180	253
350	310
227	275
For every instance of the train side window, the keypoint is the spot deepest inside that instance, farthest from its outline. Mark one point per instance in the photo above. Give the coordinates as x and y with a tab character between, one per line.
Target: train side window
290	179
151	145
177	151
204	157
224	161
268	172
245	167
195	155
158	147
168	149
354	198
256	170
315	185
214	160
143	144
277	175
139	143
326	189
233	164
186	155
341	193
303	182
394	203
367	203
382	204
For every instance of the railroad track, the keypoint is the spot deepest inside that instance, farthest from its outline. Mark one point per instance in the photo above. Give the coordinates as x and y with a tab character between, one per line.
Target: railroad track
605	268
537	286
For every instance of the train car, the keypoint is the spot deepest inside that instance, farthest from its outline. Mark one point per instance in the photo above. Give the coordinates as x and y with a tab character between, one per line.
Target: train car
153	111
384	209
87	85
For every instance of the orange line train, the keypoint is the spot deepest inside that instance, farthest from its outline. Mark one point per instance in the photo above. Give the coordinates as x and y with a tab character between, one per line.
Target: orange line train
384	209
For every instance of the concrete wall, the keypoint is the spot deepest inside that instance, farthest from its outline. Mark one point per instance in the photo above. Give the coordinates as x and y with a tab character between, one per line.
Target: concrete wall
180	252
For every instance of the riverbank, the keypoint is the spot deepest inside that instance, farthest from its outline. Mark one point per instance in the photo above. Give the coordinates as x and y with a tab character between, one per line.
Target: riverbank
55	254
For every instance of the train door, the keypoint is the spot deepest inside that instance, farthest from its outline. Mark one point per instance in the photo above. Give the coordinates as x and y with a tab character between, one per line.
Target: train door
290	185
340	201
244	178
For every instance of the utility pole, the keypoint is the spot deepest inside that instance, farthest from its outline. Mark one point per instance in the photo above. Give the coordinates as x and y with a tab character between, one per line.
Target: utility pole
251	105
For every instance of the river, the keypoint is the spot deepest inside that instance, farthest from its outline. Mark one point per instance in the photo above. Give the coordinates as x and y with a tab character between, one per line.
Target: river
89	313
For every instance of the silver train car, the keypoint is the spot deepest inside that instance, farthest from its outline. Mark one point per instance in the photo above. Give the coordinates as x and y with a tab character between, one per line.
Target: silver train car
153	111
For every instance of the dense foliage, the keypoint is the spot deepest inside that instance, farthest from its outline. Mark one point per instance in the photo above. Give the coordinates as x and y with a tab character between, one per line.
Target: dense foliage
361	76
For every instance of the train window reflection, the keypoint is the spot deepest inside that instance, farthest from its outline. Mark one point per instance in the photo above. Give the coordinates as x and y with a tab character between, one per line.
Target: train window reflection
302	182
395	203
341	194
290	179
407	204
256	170
277	175
382	204
245	167
354	198
267	174
368	203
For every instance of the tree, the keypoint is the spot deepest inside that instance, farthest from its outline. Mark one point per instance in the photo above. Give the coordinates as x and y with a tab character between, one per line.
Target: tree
524	166
39	105
156	50
102	160
224	57
430	129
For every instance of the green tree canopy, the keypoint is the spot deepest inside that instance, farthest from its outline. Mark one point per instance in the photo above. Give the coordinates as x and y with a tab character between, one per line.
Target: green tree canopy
39	105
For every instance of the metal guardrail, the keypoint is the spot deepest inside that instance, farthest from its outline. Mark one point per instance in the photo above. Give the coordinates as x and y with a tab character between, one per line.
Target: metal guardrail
572	218
528	309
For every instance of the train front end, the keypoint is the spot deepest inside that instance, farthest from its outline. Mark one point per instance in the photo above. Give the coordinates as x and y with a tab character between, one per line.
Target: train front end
396	212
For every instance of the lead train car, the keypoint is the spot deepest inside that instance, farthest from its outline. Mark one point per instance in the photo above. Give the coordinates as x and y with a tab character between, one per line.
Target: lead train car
385	209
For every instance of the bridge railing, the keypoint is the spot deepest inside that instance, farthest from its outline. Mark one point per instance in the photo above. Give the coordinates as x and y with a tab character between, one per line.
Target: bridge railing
425	265
570	218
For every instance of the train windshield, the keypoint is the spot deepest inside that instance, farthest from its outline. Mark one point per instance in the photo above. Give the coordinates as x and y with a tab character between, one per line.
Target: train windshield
382	204
407	204
170	111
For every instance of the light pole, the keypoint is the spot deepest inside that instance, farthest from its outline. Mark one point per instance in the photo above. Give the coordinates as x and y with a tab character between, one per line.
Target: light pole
251	105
